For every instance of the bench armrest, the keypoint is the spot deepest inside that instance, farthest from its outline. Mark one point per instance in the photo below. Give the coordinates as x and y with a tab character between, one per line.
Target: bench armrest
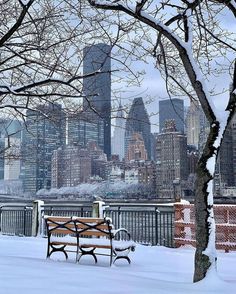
121	230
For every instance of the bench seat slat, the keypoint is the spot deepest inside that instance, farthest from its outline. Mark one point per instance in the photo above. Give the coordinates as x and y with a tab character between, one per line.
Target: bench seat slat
61	219
94	233
62	231
101	227
63	243
88	220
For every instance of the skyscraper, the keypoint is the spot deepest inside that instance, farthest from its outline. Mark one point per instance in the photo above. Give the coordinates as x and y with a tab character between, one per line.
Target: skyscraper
171	152
171	109
10	135
195	119
138	122
136	148
118	139
97	88
71	166
42	136
84	128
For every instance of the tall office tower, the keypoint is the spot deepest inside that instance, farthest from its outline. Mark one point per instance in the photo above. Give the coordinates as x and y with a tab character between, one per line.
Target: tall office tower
194	122
42	135
12	158
204	132
171	109
171	151
233	134
71	166
138	122
2	146
99	160
118	139
84	128
10	134
136	148
225	174
97	88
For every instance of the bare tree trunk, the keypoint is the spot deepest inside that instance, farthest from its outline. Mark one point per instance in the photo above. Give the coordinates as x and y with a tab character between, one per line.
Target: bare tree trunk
203	208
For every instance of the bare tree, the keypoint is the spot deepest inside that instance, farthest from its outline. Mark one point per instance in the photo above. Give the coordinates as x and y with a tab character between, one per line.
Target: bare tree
41	55
189	46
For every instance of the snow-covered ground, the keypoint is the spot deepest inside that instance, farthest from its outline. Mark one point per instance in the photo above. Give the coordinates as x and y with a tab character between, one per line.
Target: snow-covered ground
25	270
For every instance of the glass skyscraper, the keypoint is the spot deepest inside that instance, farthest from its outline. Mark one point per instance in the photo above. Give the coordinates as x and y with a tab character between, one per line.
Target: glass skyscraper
84	128
171	109
97	88
138	122
42	135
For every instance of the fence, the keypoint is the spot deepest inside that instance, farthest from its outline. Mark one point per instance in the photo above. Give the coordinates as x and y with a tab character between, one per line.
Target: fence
148	224
153	225
16	220
225	218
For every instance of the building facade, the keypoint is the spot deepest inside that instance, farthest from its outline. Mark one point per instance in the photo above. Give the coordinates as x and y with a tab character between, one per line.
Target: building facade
10	135
118	139
45	132
97	88
171	109
136	148
71	166
99	165
12	160
83	128
138	122
172	166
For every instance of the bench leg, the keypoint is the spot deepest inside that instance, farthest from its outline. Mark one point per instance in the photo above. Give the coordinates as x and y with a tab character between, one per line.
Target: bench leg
56	249
122	254
87	252
122	257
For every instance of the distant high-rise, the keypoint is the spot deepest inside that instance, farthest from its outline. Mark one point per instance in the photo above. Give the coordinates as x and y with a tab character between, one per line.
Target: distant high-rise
138	122
194	123
10	133
12	158
71	166
83	128
42	136
118	139
97	88
172	165
171	109
136	148
225	175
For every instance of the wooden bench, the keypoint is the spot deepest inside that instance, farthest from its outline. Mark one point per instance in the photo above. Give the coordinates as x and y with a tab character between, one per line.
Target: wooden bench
87	236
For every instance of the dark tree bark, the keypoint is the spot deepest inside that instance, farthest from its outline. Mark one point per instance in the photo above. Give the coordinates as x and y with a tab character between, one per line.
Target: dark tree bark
202	206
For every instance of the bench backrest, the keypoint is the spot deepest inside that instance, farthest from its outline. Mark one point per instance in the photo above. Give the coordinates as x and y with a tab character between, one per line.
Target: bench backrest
93	227
60	226
79	226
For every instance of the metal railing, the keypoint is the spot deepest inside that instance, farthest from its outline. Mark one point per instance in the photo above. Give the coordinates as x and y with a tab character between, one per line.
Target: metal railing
151	225
67	210
16	220
147	224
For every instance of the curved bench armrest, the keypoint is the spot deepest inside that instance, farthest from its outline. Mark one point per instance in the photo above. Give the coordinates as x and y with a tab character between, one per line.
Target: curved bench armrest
115	232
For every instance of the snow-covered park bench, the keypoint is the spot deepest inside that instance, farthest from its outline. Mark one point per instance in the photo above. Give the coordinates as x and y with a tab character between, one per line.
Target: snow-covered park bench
86	236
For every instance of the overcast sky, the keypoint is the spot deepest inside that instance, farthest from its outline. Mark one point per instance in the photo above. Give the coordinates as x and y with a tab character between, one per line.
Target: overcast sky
153	84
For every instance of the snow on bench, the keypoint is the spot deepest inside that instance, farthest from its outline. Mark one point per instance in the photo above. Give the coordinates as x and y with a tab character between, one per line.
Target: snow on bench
86	235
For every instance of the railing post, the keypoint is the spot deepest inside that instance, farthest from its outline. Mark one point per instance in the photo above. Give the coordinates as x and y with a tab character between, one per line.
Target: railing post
24	229
98	209
1	219
37	217
157	212
119	217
